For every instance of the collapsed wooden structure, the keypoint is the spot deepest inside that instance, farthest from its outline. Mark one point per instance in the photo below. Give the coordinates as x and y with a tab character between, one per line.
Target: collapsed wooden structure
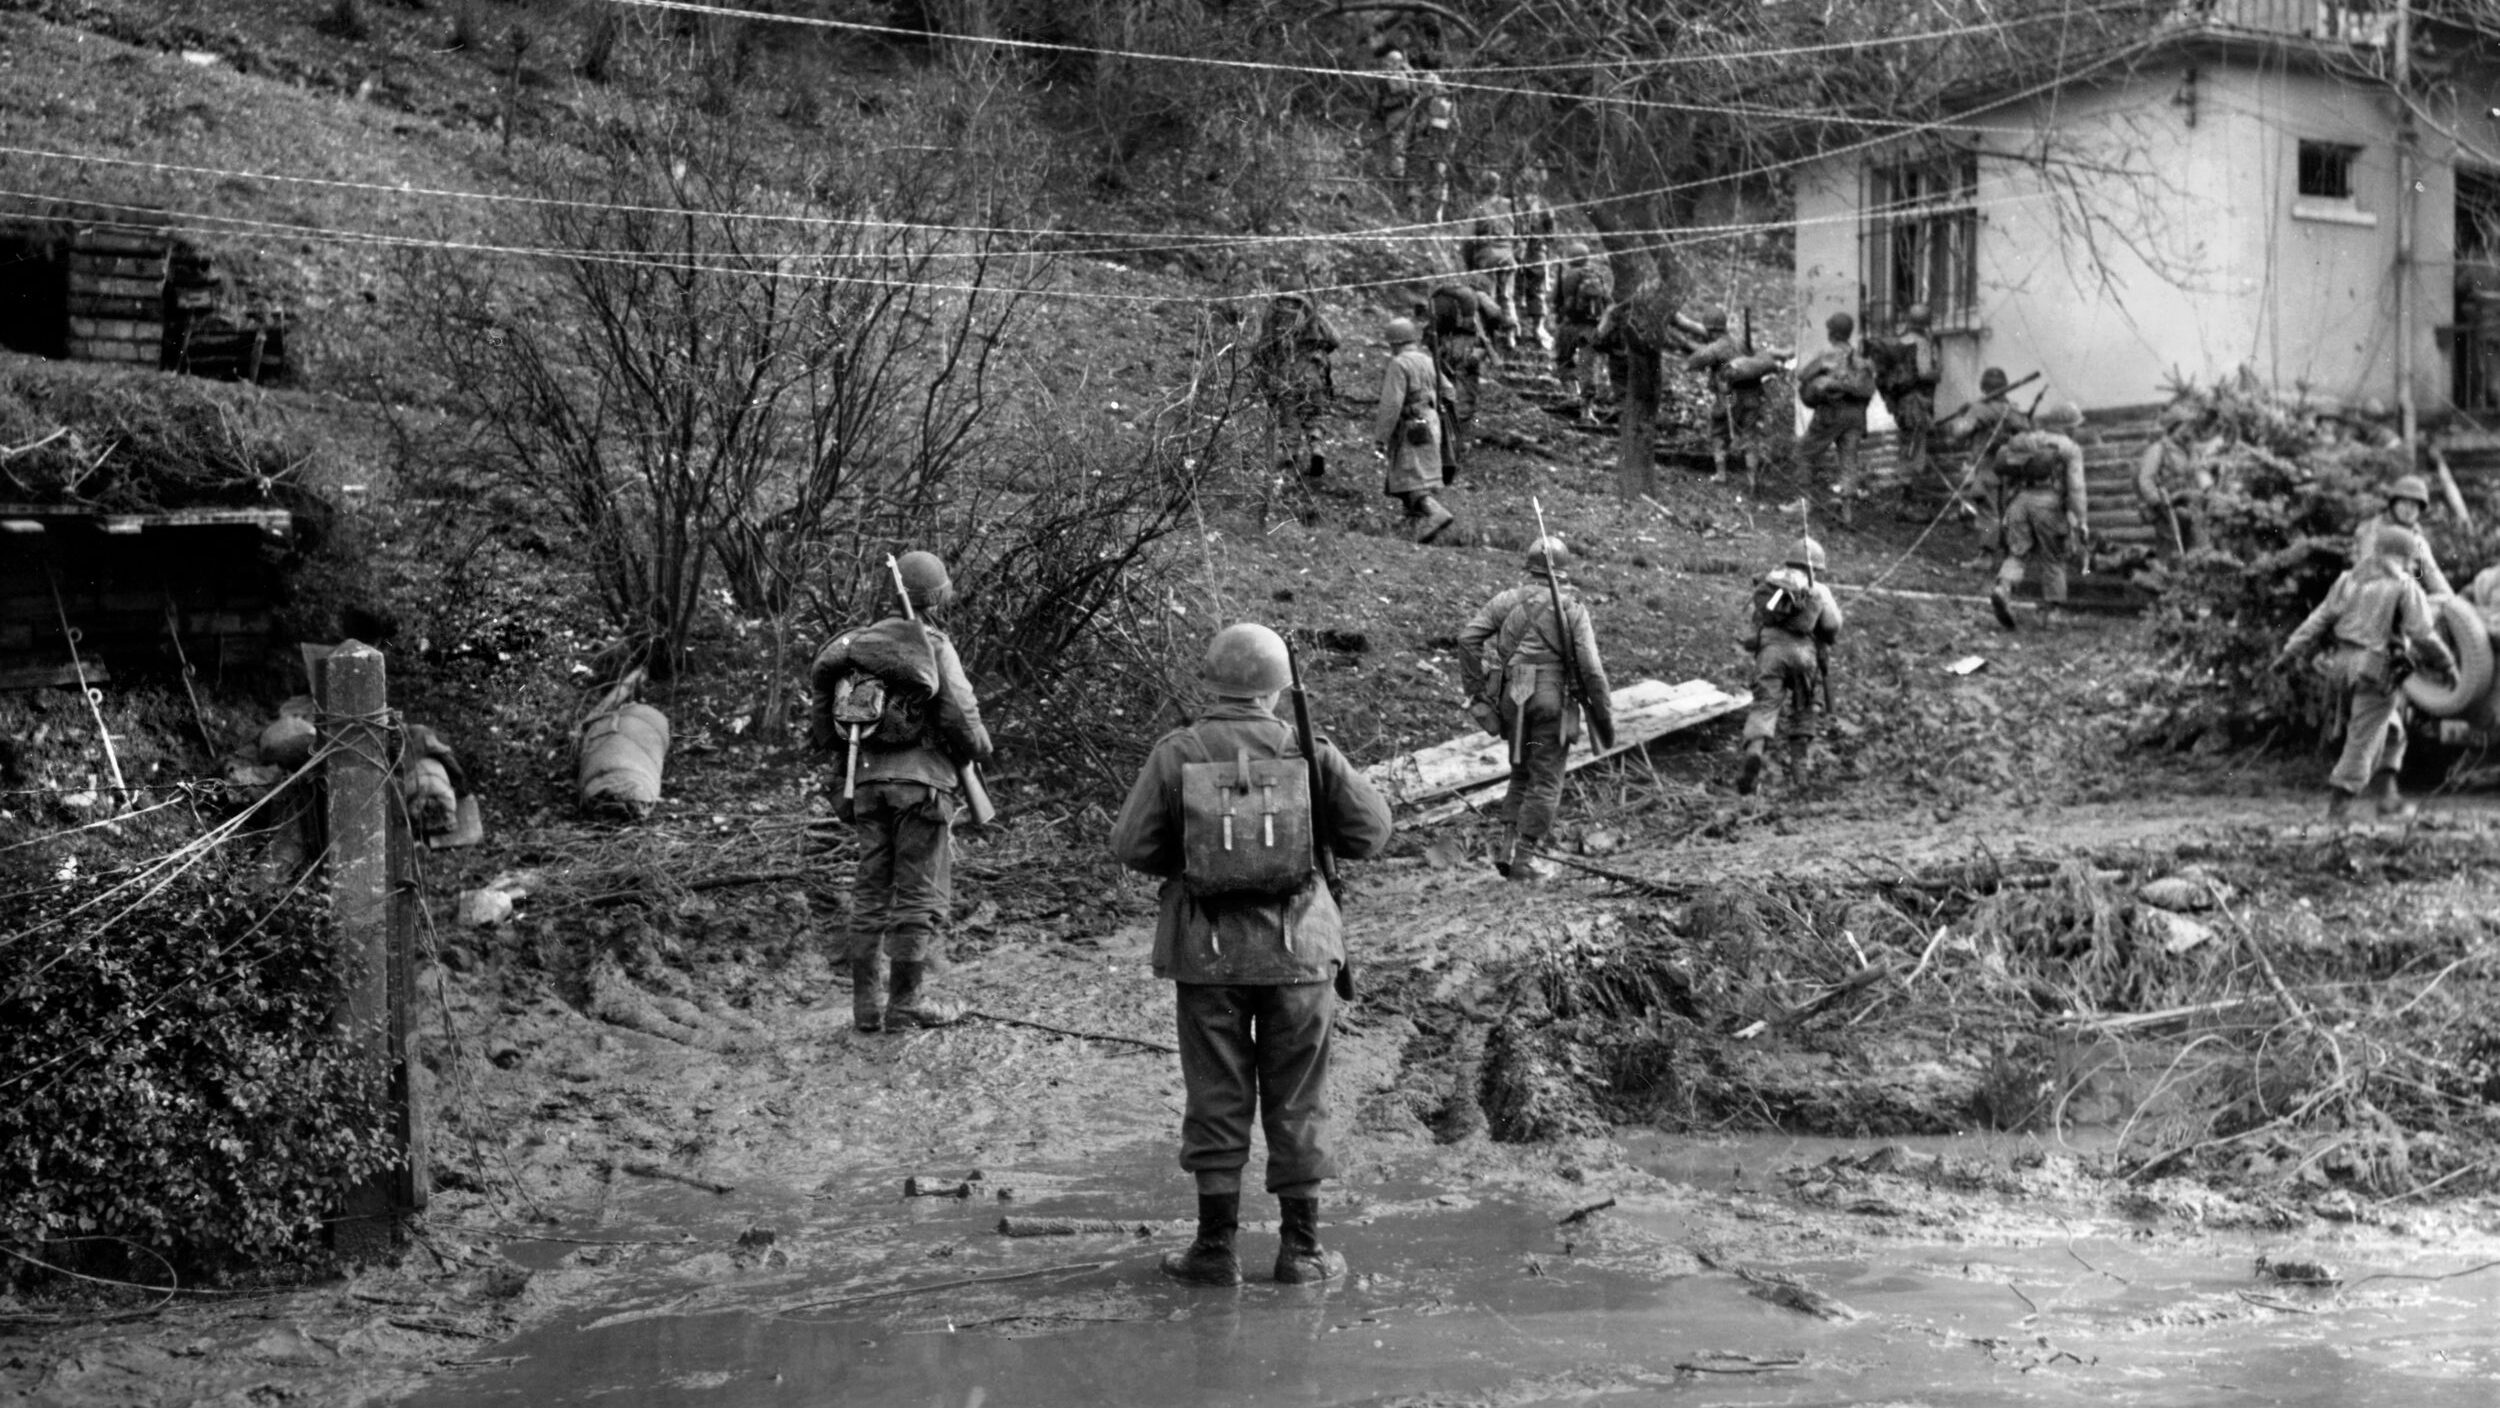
1471	771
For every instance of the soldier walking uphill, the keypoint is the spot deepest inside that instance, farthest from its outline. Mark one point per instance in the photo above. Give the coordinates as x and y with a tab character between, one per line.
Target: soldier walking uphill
1465	319
922	722
1491	251
1983	429
2171	481
1530	673
1224	812
1583	291
1736	377
2038	483
2373	615
1291	365
1906	373
1796	622
1407	430
1535	221
1836	384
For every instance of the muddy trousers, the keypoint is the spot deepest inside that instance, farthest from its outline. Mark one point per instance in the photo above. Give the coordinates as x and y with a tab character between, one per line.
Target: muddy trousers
1913	417
1256	1051
1536	780
1787	699
2035	529
905	883
2374	731
1841	429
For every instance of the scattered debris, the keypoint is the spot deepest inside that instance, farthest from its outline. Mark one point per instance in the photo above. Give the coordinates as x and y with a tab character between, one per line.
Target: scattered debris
1789	1293
918	1187
651	1170
2297	1273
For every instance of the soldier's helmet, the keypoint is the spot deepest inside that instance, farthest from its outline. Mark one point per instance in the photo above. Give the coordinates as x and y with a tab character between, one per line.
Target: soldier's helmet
2178	413
1246	660
2410	486
1545	555
1992	381
1577	249
2374	409
1402	331
924	576
1715	320
1840	326
1916	316
1805	553
2065	415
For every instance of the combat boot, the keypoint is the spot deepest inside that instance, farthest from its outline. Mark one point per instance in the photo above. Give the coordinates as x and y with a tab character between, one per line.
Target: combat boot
1429	524
867	993
2001	602
1210	1260
912	1008
2338	805
2390	802
1800	763
1300	1259
1749	776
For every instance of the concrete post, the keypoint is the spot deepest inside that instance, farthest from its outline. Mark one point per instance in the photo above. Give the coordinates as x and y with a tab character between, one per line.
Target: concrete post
356	806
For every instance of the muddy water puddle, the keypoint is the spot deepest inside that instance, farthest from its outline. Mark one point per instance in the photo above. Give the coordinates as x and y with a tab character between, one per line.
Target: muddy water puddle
1463	1296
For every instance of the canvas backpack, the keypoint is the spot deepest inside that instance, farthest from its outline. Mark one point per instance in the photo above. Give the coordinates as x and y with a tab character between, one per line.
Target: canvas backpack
1590	296
880	682
1245	825
2027	461
1784	600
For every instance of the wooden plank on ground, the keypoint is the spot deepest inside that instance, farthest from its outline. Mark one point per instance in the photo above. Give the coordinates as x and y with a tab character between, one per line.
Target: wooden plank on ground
1644	710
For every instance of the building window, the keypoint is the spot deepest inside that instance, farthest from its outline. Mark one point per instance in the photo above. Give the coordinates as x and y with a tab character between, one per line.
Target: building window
1921	239
2326	170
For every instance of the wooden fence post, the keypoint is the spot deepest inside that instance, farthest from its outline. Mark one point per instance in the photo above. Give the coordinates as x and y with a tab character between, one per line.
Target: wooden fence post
370	1008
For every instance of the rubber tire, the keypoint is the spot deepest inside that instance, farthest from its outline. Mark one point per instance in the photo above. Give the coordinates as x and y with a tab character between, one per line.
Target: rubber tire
2470	640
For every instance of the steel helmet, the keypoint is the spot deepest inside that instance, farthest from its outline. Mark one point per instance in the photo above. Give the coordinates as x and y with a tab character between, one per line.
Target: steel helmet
2178	413
1577	249
924	576
1546	554
1246	660
1806	553
1840	326
2065	415
1402	331
1992	381
1715	320
2411	486
1915	315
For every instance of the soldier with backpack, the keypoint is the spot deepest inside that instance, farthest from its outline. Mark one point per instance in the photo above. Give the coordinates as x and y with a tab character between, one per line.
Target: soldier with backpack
1582	294
1464	318
1836	384
1906	373
1491	251
1407	430
2374	621
1290	364
1228	811
1796	621
1530	664
2043	511
893	698
1736	375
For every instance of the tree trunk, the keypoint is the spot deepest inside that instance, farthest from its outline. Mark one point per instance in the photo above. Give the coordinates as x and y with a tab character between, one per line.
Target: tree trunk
1636	468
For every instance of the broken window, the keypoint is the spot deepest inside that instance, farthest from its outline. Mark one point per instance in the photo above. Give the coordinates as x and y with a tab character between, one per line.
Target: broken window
1921	239
2326	170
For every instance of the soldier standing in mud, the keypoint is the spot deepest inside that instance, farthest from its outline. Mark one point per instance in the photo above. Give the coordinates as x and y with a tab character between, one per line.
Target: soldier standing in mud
1291	365
1795	623
904	803
1906	377
1257	976
1836	384
1407	430
1530	675
1464	317
2374	609
2039	478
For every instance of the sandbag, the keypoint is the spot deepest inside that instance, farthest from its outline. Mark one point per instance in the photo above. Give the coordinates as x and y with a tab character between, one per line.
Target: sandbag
621	756
2470	641
425	784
